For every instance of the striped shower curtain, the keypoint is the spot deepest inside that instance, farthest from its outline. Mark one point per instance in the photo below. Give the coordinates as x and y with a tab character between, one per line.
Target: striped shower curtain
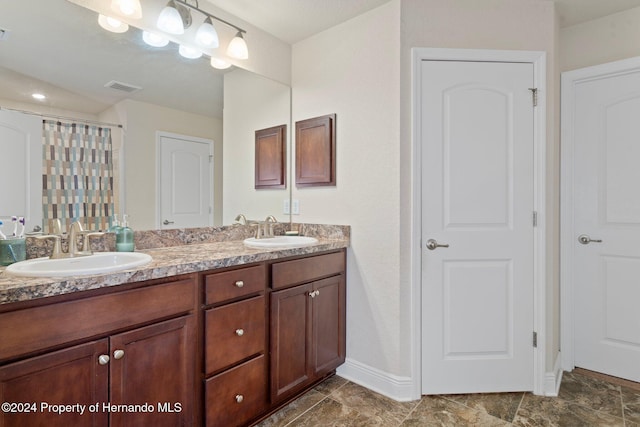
77	181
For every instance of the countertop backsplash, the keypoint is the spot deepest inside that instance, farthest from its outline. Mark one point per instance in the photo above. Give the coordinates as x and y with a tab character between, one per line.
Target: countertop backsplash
150	239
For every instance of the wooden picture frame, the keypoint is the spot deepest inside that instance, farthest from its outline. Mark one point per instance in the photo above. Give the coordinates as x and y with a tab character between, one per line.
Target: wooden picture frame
316	151
271	161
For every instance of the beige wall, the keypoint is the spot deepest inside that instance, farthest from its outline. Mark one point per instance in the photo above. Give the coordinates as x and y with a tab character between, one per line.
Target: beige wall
353	70
607	39
251	103
141	122
361	70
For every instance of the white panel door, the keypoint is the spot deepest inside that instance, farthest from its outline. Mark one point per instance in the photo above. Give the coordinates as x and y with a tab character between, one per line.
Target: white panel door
606	208
186	196
477	198
21	169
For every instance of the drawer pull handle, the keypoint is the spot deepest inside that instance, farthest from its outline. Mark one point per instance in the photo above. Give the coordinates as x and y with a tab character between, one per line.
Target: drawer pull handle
239	332
103	359
118	354
239	398
239	283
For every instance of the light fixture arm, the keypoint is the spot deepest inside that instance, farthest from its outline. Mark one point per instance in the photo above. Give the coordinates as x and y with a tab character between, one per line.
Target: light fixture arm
197	8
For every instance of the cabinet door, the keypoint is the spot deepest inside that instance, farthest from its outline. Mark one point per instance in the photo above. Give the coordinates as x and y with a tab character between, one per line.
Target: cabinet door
72	376
328	325
290	340
155	365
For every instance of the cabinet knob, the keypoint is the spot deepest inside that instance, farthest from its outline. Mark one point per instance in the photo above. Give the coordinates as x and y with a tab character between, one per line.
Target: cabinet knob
118	354
239	332
239	283
314	294
103	359
239	398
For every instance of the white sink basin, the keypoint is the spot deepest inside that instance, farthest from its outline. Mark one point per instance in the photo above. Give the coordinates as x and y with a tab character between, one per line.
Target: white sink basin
280	242
99	262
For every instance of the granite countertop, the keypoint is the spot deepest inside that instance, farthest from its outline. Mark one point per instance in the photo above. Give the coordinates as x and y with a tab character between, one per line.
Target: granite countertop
167	262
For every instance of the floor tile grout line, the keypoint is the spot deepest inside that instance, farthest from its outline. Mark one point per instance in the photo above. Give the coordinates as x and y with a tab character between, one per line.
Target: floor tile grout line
518	408
317	403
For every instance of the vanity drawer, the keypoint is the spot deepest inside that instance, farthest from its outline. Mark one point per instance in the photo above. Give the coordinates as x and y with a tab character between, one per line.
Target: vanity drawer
234	332
233	284
238	395
38	328
306	270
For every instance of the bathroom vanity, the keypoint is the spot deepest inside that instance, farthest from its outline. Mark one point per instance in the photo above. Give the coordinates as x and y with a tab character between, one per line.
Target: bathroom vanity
209	334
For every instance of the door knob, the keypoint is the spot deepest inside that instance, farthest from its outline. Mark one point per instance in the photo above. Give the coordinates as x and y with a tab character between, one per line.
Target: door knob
585	239
433	244
167	222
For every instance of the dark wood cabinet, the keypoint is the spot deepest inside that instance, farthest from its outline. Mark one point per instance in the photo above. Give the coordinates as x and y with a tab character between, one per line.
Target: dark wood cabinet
138	359
154	365
235	337
307	324
69	376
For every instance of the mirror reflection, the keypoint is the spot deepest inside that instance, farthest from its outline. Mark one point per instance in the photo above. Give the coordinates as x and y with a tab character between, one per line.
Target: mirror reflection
159	98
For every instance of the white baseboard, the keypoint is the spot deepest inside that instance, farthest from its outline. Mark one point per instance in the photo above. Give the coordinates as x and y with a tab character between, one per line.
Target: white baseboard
553	379
393	386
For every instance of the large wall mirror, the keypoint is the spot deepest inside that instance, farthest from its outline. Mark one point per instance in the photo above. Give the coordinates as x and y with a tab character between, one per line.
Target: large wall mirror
58	48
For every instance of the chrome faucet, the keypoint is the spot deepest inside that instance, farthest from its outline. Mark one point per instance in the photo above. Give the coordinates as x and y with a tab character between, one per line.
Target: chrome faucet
241	219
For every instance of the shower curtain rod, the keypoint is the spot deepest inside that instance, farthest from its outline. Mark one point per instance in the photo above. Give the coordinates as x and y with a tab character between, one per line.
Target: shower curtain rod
73	119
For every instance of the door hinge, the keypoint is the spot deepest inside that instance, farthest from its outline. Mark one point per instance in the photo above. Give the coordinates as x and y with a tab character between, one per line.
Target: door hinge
535	340
210	157
535	218
534	96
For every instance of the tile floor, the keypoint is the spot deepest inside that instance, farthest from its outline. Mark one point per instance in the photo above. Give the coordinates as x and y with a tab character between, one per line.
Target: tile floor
584	401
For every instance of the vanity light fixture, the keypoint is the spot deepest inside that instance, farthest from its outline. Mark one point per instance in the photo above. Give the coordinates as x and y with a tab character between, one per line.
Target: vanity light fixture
154	39
112	24
172	20
130	8
207	36
189	52
220	64
238	47
176	17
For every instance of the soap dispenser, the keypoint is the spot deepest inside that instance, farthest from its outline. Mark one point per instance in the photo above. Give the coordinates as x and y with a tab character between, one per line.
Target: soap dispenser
124	237
115	225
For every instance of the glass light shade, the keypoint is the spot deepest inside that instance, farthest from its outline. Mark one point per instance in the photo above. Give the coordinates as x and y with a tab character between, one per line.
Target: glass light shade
238	47
38	96
189	52
130	8
112	24
170	20
219	64
153	39
207	36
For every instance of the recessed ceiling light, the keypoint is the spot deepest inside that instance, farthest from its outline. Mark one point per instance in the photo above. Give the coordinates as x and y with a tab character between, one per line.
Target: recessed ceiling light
39	96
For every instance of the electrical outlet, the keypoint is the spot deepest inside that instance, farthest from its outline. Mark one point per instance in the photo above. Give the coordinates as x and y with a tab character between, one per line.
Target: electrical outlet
295	207
286	207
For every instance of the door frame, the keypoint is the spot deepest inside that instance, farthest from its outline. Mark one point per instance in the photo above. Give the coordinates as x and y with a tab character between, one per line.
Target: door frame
569	80
543	383
210	142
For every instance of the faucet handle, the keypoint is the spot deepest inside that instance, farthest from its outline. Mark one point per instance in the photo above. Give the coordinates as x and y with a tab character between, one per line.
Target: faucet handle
57	247
86	243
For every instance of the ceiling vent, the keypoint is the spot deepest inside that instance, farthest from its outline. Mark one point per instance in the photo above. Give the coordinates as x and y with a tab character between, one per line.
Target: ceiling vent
124	87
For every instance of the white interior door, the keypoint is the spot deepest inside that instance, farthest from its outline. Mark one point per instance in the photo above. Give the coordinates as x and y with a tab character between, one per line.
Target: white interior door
605	229
186	174
21	169
477	198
